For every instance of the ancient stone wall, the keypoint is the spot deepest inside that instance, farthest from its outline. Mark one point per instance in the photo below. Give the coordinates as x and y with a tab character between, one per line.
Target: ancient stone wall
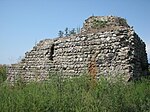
116	51
103	23
36	63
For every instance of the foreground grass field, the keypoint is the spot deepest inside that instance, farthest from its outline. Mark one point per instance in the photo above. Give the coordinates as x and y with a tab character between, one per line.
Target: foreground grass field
76	95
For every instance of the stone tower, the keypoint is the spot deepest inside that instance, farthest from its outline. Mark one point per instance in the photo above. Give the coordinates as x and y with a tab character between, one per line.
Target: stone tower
108	42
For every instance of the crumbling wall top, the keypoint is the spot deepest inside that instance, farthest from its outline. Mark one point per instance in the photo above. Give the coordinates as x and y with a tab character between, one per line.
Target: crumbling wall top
103	23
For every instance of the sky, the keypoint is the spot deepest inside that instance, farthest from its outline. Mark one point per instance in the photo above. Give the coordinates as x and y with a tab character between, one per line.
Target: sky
23	23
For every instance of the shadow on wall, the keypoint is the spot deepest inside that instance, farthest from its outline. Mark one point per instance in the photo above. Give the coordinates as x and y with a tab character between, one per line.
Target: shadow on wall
51	52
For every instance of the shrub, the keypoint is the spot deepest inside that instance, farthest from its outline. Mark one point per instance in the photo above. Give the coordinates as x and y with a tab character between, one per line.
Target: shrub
123	22
75	95
98	24
2	73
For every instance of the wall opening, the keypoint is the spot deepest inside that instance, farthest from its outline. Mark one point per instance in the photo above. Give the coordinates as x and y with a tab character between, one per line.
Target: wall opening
51	52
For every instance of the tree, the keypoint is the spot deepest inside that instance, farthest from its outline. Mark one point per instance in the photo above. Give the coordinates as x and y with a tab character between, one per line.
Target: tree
73	31
61	33
66	32
78	30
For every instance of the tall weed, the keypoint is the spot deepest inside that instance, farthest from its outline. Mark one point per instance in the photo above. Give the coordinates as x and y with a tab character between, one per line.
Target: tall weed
76	95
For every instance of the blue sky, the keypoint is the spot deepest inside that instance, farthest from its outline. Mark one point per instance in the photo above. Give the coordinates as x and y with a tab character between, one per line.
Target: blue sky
25	22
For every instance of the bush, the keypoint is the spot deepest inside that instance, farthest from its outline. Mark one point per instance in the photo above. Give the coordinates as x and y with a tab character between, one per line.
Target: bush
98	24
2	73
122	22
76	95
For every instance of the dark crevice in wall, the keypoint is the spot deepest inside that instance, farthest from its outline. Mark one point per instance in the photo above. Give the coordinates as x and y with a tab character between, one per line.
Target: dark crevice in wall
51	52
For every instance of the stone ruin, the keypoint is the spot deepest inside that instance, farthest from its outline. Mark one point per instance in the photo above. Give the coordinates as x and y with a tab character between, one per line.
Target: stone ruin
107	43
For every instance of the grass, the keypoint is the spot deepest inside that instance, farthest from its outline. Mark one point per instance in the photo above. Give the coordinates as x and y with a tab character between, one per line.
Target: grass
76	95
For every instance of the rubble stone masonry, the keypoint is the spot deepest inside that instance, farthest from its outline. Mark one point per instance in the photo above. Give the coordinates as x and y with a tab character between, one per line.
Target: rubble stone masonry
107	41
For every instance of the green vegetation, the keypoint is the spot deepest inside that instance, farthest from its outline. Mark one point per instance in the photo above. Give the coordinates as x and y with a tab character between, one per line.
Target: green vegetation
2	73
98	24
67	32
61	33
123	22
76	95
